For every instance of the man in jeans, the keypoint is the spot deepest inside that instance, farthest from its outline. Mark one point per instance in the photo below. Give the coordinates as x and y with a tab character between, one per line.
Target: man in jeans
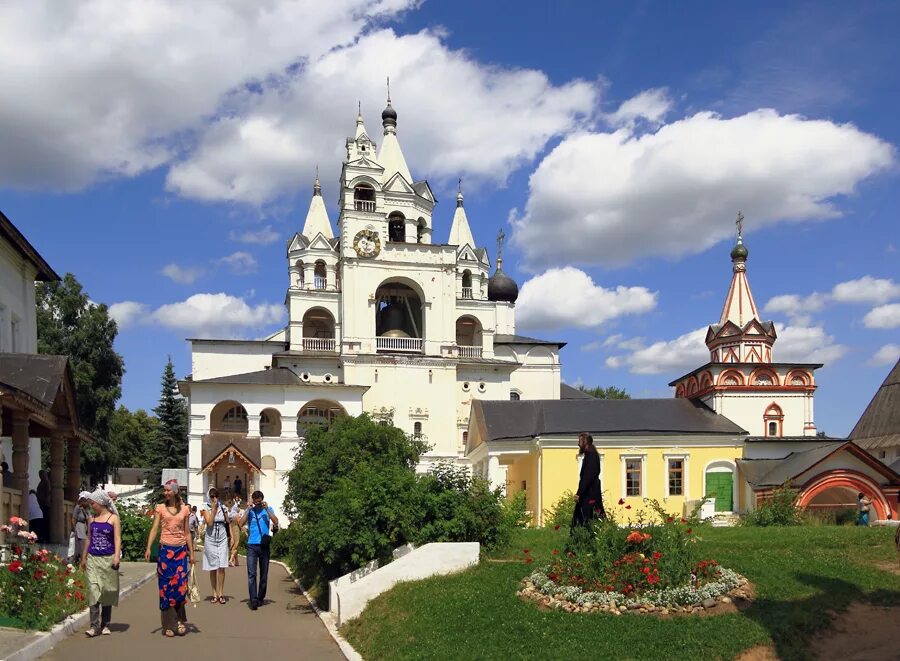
258	518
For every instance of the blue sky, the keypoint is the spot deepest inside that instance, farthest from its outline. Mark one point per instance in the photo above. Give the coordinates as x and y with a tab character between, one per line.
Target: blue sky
164	156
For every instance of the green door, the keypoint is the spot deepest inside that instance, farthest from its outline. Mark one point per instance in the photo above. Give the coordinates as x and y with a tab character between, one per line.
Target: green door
719	486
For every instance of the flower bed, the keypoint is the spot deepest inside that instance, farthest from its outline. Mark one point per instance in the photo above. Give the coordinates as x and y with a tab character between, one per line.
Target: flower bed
37	589
643	567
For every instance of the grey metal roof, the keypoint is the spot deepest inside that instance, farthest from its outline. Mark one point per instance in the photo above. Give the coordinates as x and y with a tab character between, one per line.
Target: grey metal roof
279	376
39	376
501	338
21	245
879	425
792	439
775	472
215	443
568	392
530	418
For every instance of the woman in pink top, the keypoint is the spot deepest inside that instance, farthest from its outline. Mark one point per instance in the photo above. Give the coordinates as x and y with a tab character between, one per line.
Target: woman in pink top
176	553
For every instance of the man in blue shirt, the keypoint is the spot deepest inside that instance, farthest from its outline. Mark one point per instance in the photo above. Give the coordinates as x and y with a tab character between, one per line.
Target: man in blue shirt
259	519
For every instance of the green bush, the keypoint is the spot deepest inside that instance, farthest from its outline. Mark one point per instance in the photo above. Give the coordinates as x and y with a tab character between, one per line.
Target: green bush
560	513
515	511
136	527
779	510
449	505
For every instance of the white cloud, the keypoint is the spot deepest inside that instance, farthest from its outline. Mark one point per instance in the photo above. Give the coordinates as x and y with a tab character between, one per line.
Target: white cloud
481	121
99	87
240	262
184	275
866	290
568	297
798	308
883	316
263	236
886	355
127	313
799	344
650	105
219	314
613	198
592	346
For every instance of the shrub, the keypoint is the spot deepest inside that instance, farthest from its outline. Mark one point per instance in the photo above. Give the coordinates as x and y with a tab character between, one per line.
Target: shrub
515	511
450	505
38	589
136	527
560	513
779	510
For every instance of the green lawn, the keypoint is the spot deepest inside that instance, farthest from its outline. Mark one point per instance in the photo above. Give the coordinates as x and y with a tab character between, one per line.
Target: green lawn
799	573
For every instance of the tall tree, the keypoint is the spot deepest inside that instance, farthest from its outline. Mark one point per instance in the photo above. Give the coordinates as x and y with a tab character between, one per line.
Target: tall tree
130	434
170	442
69	324
610	392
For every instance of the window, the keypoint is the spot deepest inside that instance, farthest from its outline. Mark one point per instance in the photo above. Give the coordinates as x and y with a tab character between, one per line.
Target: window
633	477
397	228
676	477
364	198
417	430
773	428
514	396
465	437
882	454
235	419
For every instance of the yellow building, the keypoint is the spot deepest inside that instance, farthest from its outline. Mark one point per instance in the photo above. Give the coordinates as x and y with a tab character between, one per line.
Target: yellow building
672	450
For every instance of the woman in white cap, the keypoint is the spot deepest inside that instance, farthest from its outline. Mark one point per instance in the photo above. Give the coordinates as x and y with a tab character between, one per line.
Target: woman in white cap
80	516
216	544
176	554
100	561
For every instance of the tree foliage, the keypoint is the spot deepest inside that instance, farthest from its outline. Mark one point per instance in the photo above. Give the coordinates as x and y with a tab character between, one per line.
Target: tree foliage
69	324
169	443
130	436
609	392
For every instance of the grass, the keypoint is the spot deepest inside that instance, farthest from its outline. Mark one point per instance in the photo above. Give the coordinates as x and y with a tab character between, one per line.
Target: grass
799	573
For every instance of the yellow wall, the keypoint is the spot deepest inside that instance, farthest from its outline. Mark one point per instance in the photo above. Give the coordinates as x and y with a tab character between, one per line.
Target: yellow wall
524	468
560	474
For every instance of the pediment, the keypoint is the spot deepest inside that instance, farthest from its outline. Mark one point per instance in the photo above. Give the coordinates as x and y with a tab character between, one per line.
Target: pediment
398	184
423	190
320	243
466	254
729	329
366	163
299	242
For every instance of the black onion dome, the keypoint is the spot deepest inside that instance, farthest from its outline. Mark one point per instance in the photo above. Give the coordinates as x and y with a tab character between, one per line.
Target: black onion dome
389	114
739	251
502	288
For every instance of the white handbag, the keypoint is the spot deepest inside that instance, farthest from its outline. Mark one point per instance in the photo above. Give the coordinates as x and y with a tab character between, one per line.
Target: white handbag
71	552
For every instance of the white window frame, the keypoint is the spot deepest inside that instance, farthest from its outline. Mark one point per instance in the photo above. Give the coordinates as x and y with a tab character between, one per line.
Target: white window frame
684	457
623	459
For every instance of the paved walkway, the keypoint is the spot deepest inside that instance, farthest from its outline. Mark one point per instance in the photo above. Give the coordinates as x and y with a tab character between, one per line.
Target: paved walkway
286	627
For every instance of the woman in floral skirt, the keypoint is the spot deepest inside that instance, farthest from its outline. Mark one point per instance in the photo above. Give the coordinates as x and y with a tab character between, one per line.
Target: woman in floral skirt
176	555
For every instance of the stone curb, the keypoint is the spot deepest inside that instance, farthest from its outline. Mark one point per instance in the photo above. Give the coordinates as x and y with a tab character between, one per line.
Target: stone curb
346	648
72	624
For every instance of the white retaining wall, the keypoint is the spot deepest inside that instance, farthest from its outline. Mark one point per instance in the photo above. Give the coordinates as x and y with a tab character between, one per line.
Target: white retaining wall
350	593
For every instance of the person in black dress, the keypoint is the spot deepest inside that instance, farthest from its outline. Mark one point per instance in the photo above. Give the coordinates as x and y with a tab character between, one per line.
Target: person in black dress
588	498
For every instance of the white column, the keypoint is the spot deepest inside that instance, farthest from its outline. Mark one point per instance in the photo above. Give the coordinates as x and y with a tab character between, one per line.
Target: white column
253	425
493	471
308	270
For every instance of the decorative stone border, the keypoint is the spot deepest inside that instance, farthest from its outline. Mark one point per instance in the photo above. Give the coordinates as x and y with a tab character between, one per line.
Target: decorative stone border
728	588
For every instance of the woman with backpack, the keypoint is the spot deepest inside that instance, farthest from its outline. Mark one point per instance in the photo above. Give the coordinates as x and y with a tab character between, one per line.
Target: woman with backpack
216	544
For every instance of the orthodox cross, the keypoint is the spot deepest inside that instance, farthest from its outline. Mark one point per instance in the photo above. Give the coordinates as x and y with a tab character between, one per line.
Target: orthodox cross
500	237
740	224
389	90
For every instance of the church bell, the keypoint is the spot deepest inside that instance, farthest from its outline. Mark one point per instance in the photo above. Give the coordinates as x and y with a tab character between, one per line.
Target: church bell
393	321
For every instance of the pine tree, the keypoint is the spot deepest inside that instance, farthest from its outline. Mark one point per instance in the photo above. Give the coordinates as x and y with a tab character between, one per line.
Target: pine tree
170	440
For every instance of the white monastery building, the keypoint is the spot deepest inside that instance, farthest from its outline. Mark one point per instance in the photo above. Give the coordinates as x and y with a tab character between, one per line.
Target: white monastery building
383	318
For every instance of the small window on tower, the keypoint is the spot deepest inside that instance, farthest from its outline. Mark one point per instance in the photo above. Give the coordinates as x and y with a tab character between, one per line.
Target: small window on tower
417	430
514	396
773	429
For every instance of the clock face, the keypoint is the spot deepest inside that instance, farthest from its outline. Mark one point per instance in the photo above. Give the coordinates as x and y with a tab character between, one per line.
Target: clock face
366	243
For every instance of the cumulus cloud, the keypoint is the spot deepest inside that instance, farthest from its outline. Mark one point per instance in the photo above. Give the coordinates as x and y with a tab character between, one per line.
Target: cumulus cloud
127	313
239	263
866	290
883	316
676	191
262	236
118	78
482	121
184	275
800	344
650	105
203	315
886	355
798	308
569	297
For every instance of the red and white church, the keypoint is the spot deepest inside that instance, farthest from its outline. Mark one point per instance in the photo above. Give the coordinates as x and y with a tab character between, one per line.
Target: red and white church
773	402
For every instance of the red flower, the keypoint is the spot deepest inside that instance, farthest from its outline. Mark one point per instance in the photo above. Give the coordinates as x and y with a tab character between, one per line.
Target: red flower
653	579
552	577
556	527
657	555
15	566
669	520
526	551
621	501
78	595
628	507
555	551
689	531
683	520
529	560
645	570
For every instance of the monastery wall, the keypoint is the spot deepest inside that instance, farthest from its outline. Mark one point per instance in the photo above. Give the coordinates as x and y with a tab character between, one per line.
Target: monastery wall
217	358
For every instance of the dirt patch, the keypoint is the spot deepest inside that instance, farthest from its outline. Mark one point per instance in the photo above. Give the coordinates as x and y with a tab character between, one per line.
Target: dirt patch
759	653
890	567
861	633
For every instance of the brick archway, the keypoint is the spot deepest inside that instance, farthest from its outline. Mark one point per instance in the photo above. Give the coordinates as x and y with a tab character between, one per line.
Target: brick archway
850	479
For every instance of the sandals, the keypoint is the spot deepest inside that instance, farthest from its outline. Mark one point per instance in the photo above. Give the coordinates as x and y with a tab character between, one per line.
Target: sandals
222	600
168	633
181	629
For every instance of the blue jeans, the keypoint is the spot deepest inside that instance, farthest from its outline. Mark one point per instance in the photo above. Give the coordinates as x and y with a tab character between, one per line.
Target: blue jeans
863	519
257	554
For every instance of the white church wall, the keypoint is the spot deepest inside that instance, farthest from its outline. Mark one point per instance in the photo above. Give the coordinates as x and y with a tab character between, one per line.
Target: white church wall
747	410
214	358
18	319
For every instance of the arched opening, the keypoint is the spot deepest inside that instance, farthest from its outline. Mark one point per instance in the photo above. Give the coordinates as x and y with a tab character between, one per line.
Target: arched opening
300	277
229	416
763	377
719	484
318	330
417	430
797	379
318	412
514	396
421	230
397	227
364	197
731	378
774	420
270	423
320	275
468	336
849	479
467	284
679	390
399	318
